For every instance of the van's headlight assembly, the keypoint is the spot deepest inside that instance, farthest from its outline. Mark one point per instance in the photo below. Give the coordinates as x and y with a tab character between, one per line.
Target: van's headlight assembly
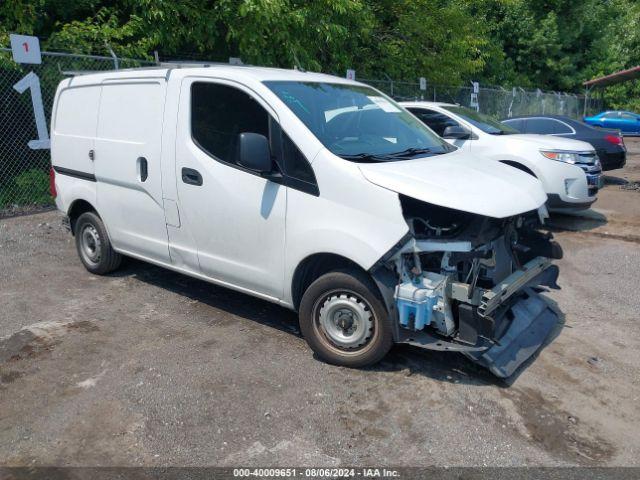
566	157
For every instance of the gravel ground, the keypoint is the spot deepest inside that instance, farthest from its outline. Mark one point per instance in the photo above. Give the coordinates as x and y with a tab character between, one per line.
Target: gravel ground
148	367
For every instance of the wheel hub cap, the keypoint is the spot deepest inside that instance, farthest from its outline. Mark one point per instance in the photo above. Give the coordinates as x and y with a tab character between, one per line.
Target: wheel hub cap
90	241
346	321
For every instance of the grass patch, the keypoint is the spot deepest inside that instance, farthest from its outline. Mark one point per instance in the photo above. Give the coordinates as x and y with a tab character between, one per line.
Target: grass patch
31	187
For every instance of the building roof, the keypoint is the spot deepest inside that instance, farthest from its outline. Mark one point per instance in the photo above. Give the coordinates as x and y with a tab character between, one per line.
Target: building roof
613	78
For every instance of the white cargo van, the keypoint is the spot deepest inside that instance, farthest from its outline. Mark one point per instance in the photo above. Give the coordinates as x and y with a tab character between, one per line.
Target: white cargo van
311	191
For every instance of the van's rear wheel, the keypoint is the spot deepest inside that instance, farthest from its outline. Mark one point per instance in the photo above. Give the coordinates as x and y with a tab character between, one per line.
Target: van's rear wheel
344	321
94	246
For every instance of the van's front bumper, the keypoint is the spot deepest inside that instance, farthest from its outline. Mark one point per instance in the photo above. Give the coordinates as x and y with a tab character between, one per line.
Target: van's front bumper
531	325
516	319
499	328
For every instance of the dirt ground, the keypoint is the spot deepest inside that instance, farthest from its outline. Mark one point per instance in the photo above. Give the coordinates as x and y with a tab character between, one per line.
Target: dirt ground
148	367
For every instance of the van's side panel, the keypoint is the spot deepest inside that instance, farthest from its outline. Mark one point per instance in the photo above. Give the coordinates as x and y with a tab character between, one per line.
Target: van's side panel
129	136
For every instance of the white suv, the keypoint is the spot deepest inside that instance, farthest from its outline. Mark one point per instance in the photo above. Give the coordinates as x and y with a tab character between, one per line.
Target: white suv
569	170
311	191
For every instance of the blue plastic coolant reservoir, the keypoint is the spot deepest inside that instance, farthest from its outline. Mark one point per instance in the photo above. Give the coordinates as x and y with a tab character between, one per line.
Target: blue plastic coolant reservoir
417	299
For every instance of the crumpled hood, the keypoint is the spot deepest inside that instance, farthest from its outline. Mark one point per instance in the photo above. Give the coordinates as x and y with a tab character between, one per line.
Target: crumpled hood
549	142
460	181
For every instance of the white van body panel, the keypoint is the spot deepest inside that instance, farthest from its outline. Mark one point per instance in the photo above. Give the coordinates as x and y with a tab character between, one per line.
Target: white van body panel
568	182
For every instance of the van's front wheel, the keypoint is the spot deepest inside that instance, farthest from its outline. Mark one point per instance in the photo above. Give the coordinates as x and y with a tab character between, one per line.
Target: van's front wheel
94	246
344	321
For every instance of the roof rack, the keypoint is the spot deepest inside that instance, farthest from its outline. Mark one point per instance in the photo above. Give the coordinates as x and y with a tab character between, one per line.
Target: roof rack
161	65
76	73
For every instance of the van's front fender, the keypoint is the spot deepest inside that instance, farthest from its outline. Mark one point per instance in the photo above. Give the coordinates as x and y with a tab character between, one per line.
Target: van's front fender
351	217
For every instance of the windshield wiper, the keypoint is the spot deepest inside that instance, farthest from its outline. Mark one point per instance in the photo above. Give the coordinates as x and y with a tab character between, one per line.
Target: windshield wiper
408	152
363	157
385	157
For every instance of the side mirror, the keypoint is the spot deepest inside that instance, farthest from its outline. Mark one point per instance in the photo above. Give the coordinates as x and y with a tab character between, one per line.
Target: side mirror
254	152
456	133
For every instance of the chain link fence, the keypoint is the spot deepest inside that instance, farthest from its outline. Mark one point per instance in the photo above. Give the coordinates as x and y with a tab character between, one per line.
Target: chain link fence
496	101
25	157
24	152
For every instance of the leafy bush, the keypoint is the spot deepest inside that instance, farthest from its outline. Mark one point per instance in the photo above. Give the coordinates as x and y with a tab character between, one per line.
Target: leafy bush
29	188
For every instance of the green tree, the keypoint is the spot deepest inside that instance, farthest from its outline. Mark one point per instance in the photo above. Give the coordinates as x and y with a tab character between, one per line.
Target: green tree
548	44
436	39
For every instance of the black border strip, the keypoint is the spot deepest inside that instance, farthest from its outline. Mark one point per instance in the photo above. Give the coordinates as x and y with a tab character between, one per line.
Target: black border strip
75	173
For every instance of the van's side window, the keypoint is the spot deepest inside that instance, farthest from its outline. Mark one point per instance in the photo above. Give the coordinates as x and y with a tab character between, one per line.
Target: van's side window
220	113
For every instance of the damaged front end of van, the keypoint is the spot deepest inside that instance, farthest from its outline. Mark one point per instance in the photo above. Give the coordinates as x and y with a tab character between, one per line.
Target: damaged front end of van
470	283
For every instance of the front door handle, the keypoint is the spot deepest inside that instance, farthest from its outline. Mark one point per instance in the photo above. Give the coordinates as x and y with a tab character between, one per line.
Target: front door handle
191	176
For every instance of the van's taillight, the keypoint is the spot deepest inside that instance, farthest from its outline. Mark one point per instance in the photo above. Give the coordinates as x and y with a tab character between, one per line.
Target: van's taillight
52	183
616	140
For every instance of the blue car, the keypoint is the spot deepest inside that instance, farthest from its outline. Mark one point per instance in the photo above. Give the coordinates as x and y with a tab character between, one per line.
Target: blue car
626	122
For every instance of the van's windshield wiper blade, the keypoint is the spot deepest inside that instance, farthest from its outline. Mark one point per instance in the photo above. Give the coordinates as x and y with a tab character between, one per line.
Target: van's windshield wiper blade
408	152
385	157
363	157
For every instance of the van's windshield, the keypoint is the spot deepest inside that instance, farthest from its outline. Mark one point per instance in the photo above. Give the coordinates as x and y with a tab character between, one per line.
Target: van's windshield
358	123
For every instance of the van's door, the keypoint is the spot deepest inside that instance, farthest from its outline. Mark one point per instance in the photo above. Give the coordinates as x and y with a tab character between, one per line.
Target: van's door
235	217
127	166
74	129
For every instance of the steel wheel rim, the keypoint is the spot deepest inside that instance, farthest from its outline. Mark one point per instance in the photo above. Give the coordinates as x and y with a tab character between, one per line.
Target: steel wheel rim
90	244
344	321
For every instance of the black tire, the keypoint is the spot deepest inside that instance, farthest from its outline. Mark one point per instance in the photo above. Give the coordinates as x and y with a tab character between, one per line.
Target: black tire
89	230
349	286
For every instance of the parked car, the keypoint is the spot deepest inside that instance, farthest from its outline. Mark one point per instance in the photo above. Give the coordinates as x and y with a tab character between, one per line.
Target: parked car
609	144
315	192
627	122
569	170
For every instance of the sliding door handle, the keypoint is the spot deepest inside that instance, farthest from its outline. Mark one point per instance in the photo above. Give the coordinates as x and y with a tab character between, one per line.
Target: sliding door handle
191	176
143	168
